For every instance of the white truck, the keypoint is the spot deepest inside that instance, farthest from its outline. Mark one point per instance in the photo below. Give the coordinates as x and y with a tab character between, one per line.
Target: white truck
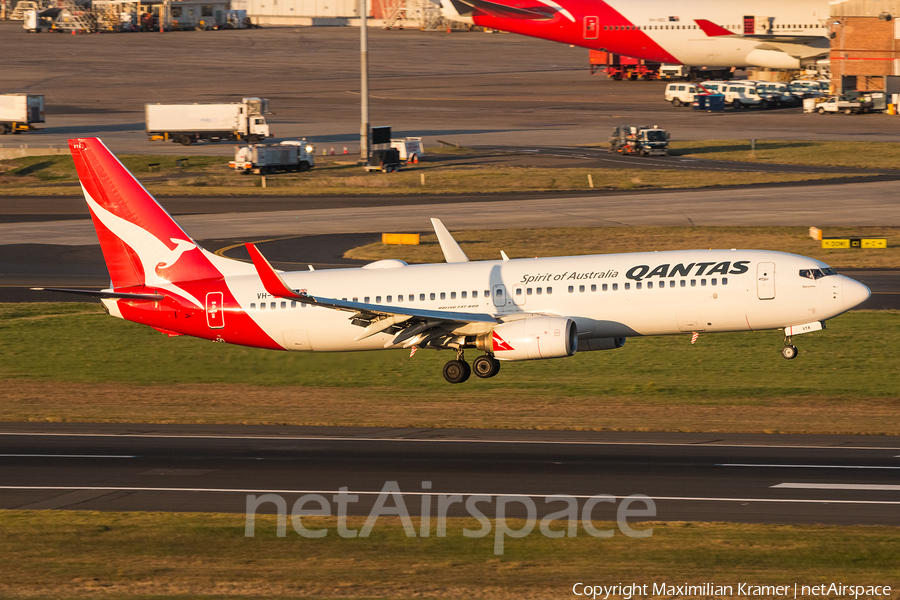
267	158
189	123
836	104
19	111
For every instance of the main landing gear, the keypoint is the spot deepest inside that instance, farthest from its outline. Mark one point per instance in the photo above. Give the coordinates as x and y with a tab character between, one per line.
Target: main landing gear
790	350
457	371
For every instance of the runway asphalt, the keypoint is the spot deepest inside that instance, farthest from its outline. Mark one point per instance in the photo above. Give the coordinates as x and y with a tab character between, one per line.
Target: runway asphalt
208	468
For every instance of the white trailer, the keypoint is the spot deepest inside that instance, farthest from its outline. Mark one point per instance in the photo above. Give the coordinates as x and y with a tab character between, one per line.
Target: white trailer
188	123
267	158
411	149
19	111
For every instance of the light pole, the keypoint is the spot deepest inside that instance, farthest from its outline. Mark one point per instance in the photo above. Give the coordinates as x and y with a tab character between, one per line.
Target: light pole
364	83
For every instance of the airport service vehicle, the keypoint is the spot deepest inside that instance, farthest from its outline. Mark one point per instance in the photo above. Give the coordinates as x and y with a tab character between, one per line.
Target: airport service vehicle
674	72
777	94
696	33
804	88
189	123
682	94
18	112
411	148
268	158
836	104
510	310
386	160
743	94
645	141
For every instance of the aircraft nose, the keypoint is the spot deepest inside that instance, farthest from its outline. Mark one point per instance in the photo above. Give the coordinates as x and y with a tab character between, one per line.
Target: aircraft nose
854	293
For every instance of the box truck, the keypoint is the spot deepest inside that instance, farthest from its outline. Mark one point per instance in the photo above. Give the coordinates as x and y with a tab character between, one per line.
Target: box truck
19	111
189	123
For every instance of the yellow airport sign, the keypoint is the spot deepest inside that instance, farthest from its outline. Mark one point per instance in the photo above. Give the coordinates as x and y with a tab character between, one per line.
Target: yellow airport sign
854	243
404	239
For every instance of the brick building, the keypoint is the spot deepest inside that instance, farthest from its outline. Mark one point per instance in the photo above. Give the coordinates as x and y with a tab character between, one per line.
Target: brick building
865	45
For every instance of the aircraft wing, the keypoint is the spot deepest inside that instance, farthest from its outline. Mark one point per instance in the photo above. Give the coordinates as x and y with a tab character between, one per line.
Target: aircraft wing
495	9
775	41
408	323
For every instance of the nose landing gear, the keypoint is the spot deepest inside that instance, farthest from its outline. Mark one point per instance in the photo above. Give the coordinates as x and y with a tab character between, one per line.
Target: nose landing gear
789	350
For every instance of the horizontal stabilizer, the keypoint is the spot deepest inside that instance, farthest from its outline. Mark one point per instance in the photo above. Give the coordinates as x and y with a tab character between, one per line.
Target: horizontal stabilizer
104	294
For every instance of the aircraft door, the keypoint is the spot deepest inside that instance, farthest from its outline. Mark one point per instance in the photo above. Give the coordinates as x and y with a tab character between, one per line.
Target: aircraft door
765	280
215	313
518	294
591	28
499	294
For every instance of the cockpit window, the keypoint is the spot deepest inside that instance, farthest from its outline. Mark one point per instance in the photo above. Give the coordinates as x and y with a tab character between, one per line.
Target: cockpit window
817	273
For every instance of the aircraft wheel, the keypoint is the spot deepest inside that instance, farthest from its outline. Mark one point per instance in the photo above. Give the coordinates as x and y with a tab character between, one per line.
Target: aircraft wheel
456	371
676	102
789	352
486	366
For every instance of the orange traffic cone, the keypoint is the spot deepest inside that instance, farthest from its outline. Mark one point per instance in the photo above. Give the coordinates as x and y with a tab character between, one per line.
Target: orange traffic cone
332	150
345	149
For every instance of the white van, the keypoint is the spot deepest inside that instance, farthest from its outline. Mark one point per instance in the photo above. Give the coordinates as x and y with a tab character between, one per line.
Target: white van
714	87
777	93
743	94
681	94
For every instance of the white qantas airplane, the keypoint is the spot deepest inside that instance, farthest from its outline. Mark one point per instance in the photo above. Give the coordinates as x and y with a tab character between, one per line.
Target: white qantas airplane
778	34
522	309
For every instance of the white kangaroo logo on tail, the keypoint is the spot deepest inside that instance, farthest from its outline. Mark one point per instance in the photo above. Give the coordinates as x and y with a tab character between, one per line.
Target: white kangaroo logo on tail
152	253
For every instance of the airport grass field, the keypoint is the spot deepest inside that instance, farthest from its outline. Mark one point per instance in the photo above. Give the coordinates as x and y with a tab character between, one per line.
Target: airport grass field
524	243
861	155
72	362
480	173
74	554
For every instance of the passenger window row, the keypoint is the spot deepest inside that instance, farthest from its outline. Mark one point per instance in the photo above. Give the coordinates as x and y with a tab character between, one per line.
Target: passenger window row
640	285
487	294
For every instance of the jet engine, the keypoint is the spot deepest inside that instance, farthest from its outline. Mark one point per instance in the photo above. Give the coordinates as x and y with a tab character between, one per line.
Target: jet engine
531	339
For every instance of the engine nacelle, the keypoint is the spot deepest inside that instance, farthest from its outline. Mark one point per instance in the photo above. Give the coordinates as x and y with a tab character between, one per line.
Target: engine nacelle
600	344
531	339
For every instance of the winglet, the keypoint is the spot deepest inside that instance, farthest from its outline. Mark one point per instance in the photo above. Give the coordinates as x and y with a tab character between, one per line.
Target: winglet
271	280
711	29
452	252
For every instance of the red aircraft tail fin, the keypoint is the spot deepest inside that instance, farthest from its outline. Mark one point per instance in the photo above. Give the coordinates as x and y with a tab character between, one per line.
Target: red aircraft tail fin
141	243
